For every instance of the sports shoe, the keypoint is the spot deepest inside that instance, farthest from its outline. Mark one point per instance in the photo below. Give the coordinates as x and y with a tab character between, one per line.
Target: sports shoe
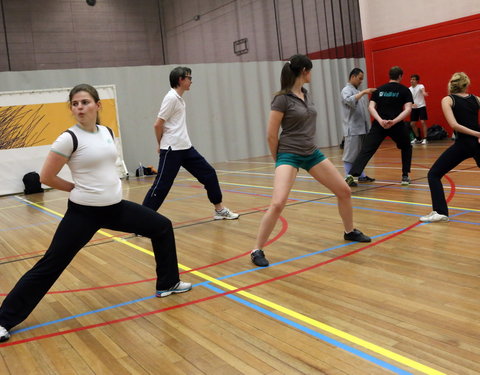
179	287
350	181
225	214
356	235
258	258
434	217
405	180
424	141
416	141
365	179
4	334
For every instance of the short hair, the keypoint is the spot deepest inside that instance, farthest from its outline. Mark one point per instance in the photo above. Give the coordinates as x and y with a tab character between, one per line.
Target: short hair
355	72
395	72
458	83
416	76
177	73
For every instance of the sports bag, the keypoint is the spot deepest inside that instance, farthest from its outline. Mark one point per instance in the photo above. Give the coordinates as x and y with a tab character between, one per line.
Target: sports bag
32	183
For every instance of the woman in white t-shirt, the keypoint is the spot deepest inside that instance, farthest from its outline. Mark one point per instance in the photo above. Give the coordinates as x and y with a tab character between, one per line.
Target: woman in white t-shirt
95	202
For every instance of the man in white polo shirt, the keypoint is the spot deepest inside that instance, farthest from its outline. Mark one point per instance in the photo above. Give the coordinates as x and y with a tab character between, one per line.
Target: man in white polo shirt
176	150
419	109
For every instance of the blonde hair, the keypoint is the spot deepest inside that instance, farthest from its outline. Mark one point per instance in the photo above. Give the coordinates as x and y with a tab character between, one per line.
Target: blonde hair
458	83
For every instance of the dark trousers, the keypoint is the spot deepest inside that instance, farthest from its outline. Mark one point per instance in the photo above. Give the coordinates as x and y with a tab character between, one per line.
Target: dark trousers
74	231
449	159
168	167
400	133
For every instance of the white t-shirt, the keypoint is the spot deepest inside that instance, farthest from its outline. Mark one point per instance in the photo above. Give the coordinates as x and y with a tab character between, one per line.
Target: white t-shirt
92	165
175	134
417	94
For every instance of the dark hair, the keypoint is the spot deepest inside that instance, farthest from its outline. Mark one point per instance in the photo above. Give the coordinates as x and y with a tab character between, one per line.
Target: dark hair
177	73
416	76
355	72
92	91
291	70
395	72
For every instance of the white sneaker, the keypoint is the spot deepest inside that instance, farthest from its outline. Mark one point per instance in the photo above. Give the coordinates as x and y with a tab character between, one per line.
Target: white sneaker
424	141
179	287
225	214
4	334
434	217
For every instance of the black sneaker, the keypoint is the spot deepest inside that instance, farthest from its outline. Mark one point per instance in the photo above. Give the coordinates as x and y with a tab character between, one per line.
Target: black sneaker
356	235
350	181
258	258
365	179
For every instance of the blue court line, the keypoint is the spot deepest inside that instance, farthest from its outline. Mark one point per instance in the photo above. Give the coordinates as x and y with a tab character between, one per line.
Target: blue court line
313	333
82	314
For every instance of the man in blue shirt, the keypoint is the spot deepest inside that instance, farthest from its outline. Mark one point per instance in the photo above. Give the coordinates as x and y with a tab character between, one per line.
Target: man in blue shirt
356	122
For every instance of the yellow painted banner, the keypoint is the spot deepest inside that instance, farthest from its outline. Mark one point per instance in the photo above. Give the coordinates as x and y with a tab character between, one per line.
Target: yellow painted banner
40	124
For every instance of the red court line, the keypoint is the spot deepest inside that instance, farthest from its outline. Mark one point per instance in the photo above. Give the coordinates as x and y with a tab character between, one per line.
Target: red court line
78	329
281	233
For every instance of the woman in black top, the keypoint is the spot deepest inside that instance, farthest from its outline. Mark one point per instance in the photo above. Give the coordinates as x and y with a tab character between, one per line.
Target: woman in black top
461	112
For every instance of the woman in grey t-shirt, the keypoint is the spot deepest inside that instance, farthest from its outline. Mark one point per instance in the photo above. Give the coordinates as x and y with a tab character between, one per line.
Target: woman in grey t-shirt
292	109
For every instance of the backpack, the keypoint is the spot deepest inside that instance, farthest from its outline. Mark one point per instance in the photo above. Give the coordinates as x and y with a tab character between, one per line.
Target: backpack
436	132
32	183
75	139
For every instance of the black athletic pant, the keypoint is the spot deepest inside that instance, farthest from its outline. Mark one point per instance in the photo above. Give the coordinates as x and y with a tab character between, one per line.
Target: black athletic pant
168	167
449	159
399	132
77	227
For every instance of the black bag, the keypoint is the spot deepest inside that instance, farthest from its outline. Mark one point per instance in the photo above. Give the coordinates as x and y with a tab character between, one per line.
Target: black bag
32	183
436	132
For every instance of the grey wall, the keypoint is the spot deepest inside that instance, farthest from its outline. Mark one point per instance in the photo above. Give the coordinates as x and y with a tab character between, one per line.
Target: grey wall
204	31
227	106
61	34
66	34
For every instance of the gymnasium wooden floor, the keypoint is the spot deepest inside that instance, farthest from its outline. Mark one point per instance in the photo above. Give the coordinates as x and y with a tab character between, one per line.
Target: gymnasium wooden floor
408	303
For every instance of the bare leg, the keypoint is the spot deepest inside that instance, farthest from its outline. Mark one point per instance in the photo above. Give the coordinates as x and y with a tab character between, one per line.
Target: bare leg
415	130
282	184
424	128
326	173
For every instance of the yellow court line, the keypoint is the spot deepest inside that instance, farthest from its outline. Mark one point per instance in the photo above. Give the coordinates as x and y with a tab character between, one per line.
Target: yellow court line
336	332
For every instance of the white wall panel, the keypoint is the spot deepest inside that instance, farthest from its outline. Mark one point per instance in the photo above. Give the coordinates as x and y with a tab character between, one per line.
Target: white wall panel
383	17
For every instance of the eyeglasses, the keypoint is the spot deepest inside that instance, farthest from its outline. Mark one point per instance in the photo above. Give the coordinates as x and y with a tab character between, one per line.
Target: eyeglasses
189	77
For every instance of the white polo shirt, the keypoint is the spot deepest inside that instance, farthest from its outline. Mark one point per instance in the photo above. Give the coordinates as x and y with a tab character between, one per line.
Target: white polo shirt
92	165
418	97
173	112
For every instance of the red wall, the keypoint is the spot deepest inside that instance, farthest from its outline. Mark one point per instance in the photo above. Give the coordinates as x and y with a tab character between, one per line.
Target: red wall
434	52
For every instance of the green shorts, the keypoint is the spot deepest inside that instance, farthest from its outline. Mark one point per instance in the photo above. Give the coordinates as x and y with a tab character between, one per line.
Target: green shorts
300	161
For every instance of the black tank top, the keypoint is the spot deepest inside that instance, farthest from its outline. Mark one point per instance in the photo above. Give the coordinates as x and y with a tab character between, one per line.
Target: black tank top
465	109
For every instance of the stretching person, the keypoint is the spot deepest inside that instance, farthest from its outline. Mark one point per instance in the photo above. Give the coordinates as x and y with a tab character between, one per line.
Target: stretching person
292	110
389	106
356	122
95	202
461	112
176	150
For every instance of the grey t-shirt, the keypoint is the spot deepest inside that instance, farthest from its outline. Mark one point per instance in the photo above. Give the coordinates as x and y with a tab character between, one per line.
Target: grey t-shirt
298	123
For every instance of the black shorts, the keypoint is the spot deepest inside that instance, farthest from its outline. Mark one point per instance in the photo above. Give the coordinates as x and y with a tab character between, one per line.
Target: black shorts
419	114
